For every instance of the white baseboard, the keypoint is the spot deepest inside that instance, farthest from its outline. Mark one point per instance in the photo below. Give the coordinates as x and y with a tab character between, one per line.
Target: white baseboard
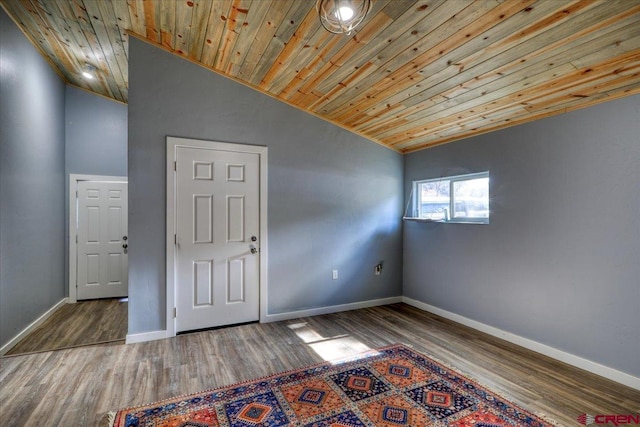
571	359
330	309
39	321
145	336
158	335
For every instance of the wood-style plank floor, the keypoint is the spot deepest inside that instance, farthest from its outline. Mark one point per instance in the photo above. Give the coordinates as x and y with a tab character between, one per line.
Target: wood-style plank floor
76	387
73	325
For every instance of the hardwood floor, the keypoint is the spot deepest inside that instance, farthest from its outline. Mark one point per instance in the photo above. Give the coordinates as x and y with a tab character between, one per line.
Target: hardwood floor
76	387
73	325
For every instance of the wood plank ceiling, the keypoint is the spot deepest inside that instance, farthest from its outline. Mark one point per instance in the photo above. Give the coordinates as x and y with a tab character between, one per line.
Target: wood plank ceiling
418	73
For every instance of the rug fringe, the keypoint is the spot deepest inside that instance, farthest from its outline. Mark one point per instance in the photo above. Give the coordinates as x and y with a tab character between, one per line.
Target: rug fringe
108	420
547	418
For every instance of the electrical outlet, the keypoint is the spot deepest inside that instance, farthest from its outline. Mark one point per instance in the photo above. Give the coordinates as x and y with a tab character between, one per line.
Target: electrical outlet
334	274
378	269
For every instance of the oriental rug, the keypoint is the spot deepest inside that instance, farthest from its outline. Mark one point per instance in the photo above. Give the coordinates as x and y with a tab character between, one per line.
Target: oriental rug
388	387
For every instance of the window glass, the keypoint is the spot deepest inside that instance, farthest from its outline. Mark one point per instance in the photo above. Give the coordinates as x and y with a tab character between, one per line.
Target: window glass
471	198
434	199
461	198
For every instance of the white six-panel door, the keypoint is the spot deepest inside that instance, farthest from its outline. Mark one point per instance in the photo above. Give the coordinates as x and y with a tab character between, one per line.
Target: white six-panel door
217	238
102	266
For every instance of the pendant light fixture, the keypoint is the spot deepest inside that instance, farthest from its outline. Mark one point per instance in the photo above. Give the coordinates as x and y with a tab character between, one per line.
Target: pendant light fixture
342	16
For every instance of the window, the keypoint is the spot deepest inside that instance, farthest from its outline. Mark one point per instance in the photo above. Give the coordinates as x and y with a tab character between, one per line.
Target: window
461	198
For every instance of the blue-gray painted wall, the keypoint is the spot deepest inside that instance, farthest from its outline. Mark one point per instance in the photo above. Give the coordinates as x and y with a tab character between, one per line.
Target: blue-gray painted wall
96	134
31	183
560	261
335	199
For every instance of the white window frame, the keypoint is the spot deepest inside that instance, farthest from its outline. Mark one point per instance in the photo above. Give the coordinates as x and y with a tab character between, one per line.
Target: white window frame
416	201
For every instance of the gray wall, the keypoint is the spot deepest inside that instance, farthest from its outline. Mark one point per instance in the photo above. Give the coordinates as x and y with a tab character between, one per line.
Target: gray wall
31	183
96	134
560	261
95	142
334	197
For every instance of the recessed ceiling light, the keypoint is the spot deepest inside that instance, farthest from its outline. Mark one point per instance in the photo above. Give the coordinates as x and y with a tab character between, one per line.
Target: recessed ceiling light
89	72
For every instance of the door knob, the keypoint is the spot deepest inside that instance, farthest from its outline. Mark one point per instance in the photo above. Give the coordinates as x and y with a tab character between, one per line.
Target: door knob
253	249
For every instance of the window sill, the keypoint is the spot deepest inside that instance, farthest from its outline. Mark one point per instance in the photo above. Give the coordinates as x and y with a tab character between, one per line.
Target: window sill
442	221
416	219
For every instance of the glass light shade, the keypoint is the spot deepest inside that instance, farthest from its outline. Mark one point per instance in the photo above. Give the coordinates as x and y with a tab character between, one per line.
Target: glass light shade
342	16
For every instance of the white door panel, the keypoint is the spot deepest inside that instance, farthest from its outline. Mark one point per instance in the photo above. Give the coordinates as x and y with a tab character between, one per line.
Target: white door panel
102	265
217	215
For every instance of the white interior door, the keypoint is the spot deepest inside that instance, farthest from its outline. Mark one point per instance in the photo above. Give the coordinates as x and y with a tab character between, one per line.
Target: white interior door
102	266
217	224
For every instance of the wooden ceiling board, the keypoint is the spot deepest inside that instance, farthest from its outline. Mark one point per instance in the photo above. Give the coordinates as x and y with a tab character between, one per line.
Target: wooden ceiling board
167	25
253	23
102	18
266	32
445	61
62	39
27	17
537	85
509	59
297	42
233	26
215	28
400	71
570	48
332	77
447	69
416	74
361	57
562	87
180	17
286	29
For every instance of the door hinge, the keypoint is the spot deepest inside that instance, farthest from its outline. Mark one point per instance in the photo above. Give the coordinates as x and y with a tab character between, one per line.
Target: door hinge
76	239
175	166
175	239
76	194
175	312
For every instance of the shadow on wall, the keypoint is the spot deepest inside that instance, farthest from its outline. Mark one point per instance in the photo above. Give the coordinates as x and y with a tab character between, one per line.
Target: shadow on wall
350	241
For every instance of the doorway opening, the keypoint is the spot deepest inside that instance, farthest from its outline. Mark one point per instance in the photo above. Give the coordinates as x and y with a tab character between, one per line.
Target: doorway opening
96	310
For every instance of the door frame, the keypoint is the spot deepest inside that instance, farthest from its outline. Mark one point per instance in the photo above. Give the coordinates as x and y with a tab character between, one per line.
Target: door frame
74	179
173	143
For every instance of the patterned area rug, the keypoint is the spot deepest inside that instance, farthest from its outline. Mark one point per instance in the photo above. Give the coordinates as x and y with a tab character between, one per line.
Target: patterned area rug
388	387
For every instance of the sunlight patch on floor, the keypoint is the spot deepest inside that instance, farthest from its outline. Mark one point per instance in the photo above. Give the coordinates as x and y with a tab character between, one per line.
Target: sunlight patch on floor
332	349
338	349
